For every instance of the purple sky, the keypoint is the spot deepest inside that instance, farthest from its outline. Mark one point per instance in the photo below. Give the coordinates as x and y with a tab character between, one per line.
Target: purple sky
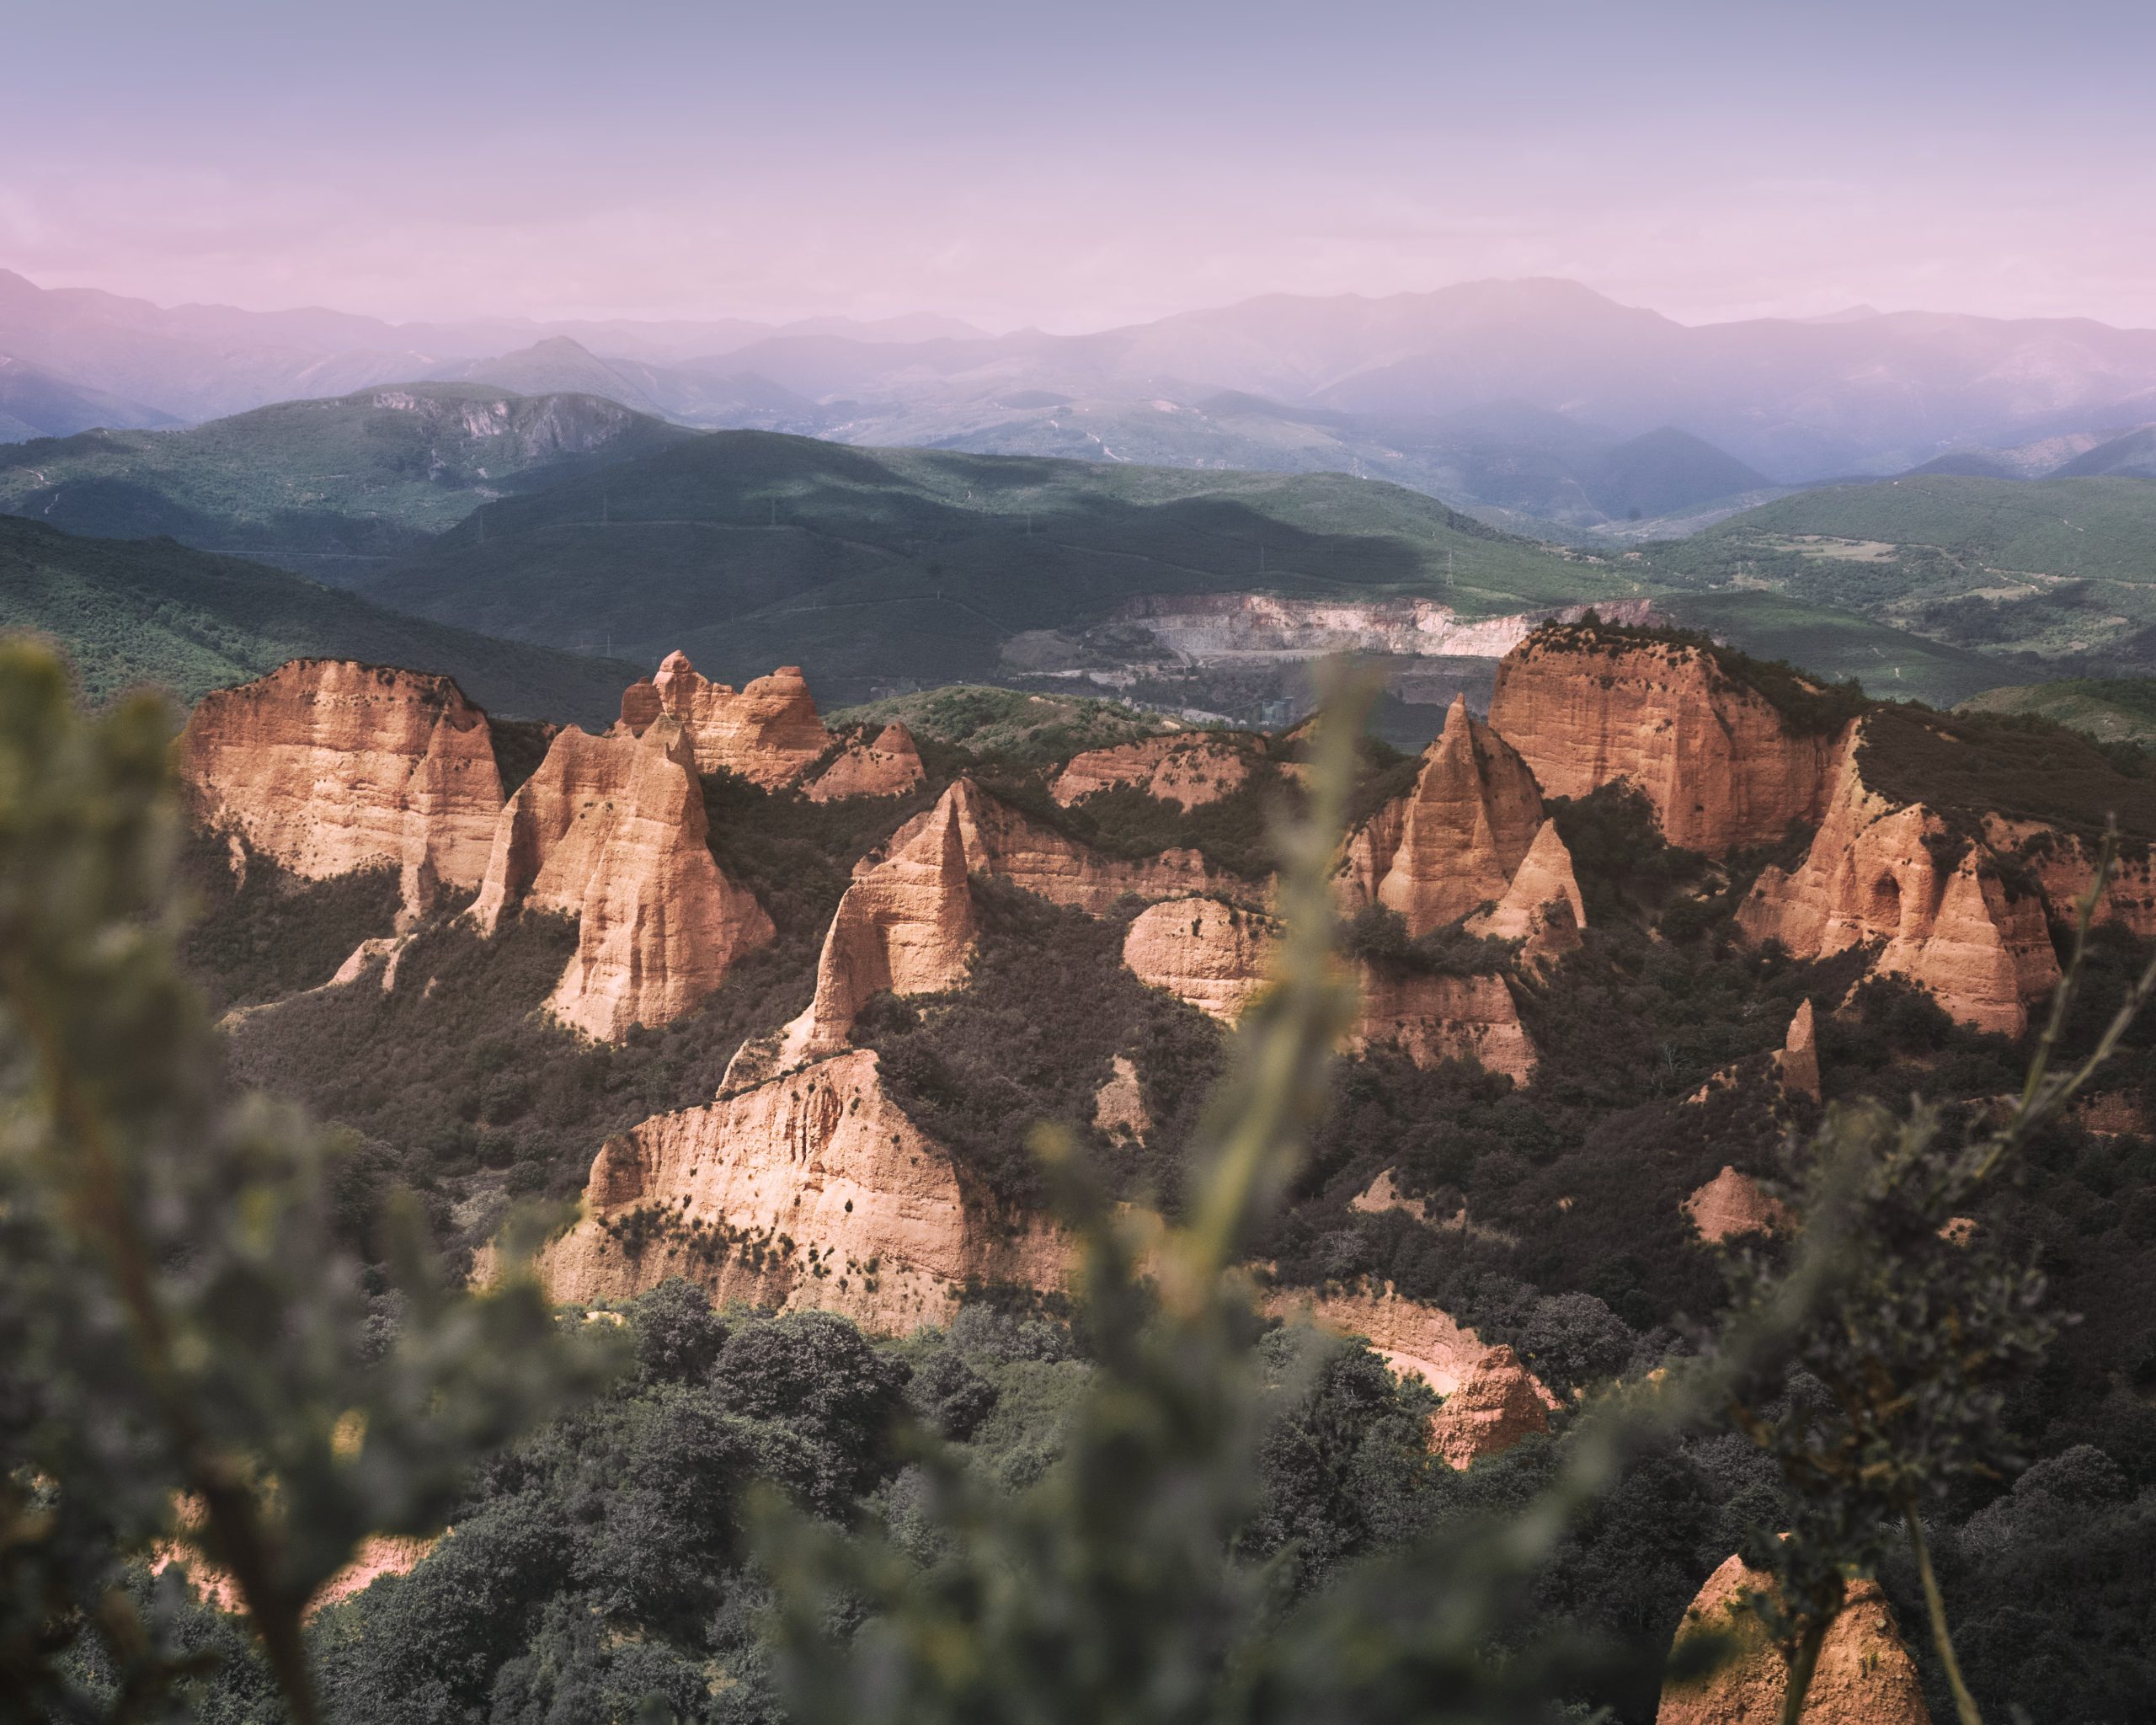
1077	165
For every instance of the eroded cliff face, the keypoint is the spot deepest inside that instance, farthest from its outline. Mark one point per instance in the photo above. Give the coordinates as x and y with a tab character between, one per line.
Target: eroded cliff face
906	924
329	766
1432	1018
1452	844
1217	958
1001	842
1414	1339
1192	769
2064	865
612	830
812	1190
1497	1405
889	767
1890	875
1865	1675
1720	766
769	732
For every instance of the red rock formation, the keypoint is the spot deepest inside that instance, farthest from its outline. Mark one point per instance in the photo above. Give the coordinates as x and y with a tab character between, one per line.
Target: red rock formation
1716	761
1497	1405
812	1190
1544	877
1431	1019
1453	843
1414	1339
1800	1054
768	732
1731	1205
1865	1675
1001	842
329	766
612	829
1874	875
1191	769
890	766
1216	957
906	924
2064	865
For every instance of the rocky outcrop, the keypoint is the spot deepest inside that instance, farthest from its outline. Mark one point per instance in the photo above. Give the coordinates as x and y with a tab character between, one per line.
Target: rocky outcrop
1800	1054
1544	879
1213	956
1001	842
1720	766
1865	1675
905	925
812	1190
2064	865
1414	1339
1732	1204
1432	1018
1453	843
1119	1104
1217	957
330	767
1191	770
768	732
612	830
889	767
1884	873
1497	1405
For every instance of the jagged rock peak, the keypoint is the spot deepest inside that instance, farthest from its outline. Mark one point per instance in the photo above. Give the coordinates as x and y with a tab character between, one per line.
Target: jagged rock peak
1190	768
1864	1676
1799	1056
768	732
906	925
1453	843
814	1189
1498	1405
613	830
889	767
1884	873
1544	877
328	766
1722	765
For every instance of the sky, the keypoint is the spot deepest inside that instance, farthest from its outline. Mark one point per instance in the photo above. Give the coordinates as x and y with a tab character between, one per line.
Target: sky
1074	166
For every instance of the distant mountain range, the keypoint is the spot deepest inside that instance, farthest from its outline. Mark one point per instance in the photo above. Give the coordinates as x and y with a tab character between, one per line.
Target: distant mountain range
1537	404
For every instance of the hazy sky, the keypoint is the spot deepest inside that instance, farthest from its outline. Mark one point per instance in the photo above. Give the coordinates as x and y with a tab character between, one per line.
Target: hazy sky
1081	164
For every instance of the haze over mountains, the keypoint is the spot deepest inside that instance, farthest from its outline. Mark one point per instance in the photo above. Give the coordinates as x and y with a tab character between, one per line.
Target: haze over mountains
1534	401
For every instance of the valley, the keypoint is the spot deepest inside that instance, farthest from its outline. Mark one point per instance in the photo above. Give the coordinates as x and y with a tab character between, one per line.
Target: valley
775	997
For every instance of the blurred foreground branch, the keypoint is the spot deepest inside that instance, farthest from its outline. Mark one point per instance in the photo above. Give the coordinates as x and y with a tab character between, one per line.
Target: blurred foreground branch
179	1326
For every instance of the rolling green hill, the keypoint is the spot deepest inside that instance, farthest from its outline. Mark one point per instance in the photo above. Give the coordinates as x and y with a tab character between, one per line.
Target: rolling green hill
133	612
1892	663
2111	709
749	548
311	483
2063	568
